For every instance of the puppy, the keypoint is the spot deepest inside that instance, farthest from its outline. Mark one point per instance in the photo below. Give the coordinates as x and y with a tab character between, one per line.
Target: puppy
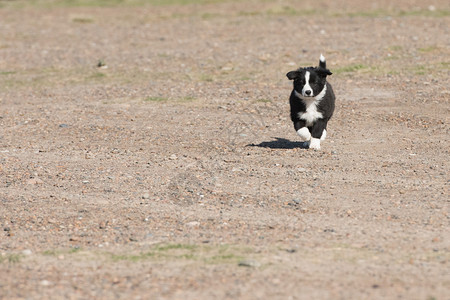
312	102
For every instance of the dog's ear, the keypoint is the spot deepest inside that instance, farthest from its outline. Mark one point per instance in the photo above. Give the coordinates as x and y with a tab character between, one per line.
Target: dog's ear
293	75
323	71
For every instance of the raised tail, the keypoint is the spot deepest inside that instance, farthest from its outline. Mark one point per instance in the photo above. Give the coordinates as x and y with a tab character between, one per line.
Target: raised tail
322	62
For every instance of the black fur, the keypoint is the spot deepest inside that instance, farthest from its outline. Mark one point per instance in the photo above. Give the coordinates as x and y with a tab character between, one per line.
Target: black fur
299	102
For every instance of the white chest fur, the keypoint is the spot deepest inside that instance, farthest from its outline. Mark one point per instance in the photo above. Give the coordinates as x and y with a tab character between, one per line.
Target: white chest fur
311	114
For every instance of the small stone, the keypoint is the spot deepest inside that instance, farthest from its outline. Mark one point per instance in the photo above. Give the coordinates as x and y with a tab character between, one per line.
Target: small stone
45	283
34	181
173	157
27	252
146	196
7	229
192	224
249	263
334	152
103	225
297	201
63	125
301	170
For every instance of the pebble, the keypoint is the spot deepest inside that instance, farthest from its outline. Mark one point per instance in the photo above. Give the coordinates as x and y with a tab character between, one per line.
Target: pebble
45	283
146	196
63	125
192	224
297	201
249	263
35	181
173	157
27	252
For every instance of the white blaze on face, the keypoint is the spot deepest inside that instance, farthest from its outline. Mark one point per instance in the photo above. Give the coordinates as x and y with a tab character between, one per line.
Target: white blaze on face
307	90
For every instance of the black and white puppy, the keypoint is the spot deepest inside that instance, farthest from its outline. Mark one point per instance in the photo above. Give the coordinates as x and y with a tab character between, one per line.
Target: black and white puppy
312	102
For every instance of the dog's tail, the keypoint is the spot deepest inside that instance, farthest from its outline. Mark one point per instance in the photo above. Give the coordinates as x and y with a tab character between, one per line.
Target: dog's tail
322	62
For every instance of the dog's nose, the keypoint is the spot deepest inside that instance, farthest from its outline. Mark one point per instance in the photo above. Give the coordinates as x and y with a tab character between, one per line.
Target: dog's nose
308	92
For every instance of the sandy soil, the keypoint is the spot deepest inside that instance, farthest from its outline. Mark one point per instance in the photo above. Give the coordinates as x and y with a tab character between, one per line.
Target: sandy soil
146	151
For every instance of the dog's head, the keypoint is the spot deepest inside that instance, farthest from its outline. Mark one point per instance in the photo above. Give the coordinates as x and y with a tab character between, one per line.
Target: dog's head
309	82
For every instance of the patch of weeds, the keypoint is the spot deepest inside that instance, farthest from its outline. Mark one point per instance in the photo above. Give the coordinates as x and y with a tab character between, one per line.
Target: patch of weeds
169	251
7	72
184	2
124	257
156	99
283	10
395	48
419	70
391	57
175	246
208	16
264	100
428	49
82	20
113	3
223	254
437	13
229	258
248	13
56	252
444	65
14	258
206	78
164	55
51	252
75	250
370	13
350	69
97	75
186	99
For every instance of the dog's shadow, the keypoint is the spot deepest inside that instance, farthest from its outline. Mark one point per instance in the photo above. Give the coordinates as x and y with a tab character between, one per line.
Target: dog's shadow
281	143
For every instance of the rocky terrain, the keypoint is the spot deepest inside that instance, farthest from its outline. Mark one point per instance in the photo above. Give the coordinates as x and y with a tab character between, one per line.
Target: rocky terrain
146	151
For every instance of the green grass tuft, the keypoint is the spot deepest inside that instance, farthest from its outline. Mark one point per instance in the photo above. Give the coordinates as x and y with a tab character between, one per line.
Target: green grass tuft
350	69
82	20
7	72
156	99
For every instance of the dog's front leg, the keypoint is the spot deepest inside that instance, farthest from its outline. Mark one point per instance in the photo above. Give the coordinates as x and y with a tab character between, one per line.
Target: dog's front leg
317	132
302	130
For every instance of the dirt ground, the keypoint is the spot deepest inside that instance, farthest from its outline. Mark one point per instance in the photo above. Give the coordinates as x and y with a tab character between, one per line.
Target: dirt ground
146	151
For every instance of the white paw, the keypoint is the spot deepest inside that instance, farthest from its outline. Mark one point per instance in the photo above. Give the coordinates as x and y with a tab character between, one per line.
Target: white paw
304	134
324	135
314	144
